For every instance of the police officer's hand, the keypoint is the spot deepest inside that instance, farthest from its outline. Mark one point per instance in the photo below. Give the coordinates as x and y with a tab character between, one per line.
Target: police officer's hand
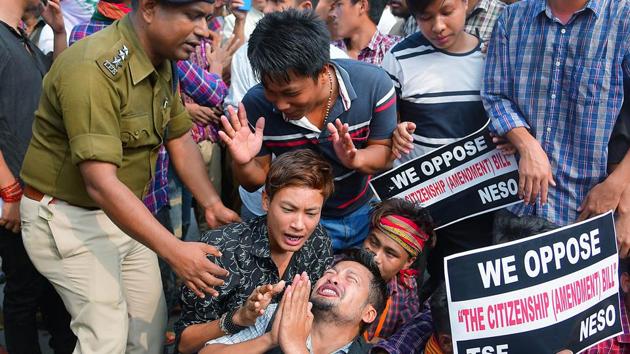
53	16
217	214
10	219
190	261
242	144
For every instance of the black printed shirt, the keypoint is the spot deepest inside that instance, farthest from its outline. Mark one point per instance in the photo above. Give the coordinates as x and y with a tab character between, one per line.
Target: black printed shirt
246	255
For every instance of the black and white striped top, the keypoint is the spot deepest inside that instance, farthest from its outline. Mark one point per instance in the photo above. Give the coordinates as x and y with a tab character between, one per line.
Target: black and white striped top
438	91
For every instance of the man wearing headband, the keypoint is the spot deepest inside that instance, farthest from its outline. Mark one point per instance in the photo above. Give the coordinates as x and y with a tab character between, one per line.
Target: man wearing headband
108	103
400	232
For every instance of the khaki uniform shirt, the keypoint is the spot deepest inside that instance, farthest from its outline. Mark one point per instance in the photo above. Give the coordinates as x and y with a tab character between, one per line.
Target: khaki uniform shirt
102	100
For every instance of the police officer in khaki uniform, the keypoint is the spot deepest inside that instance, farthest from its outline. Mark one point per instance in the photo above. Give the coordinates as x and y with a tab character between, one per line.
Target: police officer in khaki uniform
107	105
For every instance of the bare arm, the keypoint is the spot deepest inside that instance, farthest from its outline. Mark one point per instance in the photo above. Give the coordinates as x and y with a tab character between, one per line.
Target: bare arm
252	175
195	336
376	157
53	16
10	211
243	145
534	169
188	259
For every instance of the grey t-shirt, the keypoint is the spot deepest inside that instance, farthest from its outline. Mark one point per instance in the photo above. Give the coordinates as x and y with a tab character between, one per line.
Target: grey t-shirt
21	74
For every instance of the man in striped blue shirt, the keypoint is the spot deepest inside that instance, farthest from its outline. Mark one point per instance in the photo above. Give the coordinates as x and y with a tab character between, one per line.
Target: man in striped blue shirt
553	86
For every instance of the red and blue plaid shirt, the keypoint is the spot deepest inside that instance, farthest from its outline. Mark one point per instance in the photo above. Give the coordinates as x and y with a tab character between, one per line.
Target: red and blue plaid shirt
375	50
616	345
404	304
85	29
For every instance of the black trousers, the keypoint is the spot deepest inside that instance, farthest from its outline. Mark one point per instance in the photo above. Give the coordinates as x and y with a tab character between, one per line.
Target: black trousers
25	292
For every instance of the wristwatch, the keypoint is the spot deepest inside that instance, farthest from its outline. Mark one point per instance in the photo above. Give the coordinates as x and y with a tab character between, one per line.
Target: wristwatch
227	325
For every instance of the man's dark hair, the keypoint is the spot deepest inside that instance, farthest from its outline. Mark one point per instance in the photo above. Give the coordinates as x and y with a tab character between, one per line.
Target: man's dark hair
286	42
407	209
439	310
509	227
376	8
377	295
300	168
136	3
418	7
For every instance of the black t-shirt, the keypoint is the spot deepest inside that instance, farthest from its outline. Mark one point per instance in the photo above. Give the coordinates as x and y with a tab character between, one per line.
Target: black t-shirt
21	74
620	138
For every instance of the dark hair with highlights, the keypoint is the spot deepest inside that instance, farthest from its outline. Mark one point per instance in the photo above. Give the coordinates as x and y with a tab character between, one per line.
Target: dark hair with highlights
300	168
377	295
290	41
418	7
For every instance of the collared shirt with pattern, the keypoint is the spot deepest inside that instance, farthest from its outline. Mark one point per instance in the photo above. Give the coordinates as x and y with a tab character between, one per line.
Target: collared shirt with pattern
246	255
565	84
412	337
375	50
404	304
202	87
85	29
481	20
619	344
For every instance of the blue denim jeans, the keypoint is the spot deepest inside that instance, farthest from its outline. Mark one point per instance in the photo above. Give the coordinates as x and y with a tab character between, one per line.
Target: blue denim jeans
348	231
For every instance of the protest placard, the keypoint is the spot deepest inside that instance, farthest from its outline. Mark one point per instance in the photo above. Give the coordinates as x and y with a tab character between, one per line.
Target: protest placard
542	294
471	172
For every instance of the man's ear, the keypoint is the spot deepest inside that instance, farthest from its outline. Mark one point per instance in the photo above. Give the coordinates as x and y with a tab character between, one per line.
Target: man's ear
305	5
365	7
445	342
409	262
265	200
147	9
369	314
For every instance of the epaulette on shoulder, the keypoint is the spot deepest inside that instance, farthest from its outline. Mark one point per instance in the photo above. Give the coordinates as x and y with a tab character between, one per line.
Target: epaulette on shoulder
112	62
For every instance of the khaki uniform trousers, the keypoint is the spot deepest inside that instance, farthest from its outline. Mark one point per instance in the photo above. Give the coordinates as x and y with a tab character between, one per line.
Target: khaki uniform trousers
109	282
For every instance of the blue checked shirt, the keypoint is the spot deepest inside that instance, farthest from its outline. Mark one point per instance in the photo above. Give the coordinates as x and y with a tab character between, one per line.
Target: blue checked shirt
565	84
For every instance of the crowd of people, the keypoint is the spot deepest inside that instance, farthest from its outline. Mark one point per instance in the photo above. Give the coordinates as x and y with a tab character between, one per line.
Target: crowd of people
265	120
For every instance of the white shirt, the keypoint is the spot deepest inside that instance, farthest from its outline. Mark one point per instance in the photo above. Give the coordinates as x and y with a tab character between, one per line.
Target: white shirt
251	20
74	12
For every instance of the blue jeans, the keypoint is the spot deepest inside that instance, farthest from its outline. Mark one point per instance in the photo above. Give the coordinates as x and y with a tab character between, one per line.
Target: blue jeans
348	231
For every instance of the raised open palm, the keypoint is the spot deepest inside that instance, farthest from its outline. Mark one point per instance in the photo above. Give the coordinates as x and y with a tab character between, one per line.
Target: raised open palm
242	144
